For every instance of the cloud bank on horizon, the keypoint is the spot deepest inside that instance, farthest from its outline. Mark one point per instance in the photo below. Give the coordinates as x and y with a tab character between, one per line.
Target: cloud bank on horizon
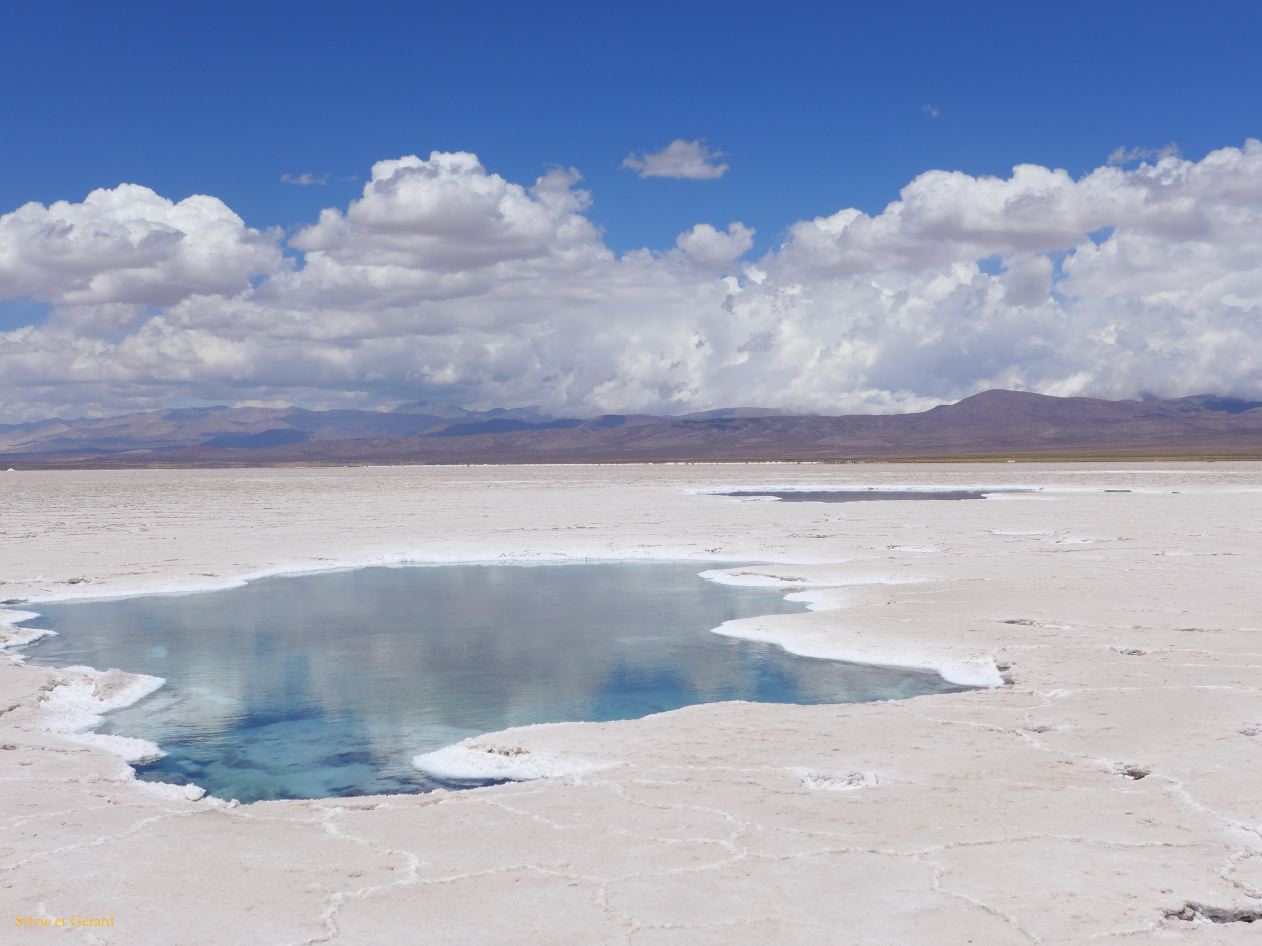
445	281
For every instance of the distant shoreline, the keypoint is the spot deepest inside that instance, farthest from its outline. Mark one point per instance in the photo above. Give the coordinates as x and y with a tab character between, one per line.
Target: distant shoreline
991	427
18	465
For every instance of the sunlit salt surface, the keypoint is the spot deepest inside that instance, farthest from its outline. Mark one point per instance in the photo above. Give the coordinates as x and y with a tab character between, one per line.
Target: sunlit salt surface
326	685
865	495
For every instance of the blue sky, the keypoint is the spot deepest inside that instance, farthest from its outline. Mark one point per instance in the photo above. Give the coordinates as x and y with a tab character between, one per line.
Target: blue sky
1022	253
817	106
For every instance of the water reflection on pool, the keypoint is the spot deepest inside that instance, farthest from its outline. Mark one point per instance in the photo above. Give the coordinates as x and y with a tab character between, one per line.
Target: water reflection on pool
327	684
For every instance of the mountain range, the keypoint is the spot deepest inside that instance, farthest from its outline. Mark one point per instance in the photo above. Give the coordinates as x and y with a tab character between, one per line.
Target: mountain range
990	425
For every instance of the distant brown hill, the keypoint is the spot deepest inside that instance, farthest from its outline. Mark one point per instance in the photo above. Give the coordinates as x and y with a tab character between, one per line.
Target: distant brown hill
991	425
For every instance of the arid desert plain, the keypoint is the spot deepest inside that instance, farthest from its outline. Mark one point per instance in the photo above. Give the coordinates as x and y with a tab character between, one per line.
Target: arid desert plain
1103	786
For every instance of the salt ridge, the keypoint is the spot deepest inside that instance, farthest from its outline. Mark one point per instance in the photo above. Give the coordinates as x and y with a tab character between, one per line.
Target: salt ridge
82	696
492	756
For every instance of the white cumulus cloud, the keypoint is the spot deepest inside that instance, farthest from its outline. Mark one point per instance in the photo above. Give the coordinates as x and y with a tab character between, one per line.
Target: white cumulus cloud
305	179
679	159
710	247
129	245
1123	155
444	280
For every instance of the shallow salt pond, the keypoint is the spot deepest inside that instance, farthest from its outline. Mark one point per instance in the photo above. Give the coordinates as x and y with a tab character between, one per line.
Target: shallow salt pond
328	684
865	495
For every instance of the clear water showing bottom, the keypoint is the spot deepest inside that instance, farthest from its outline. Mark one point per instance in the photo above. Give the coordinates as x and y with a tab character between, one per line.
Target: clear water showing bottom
328	684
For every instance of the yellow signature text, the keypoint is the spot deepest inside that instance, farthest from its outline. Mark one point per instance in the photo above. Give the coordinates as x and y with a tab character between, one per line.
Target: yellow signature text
74	921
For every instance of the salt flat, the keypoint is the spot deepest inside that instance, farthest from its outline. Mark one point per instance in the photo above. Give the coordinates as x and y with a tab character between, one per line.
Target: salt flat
1110	790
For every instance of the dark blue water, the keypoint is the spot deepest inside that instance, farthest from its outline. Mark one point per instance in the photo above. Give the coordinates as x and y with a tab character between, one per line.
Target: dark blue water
327	685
